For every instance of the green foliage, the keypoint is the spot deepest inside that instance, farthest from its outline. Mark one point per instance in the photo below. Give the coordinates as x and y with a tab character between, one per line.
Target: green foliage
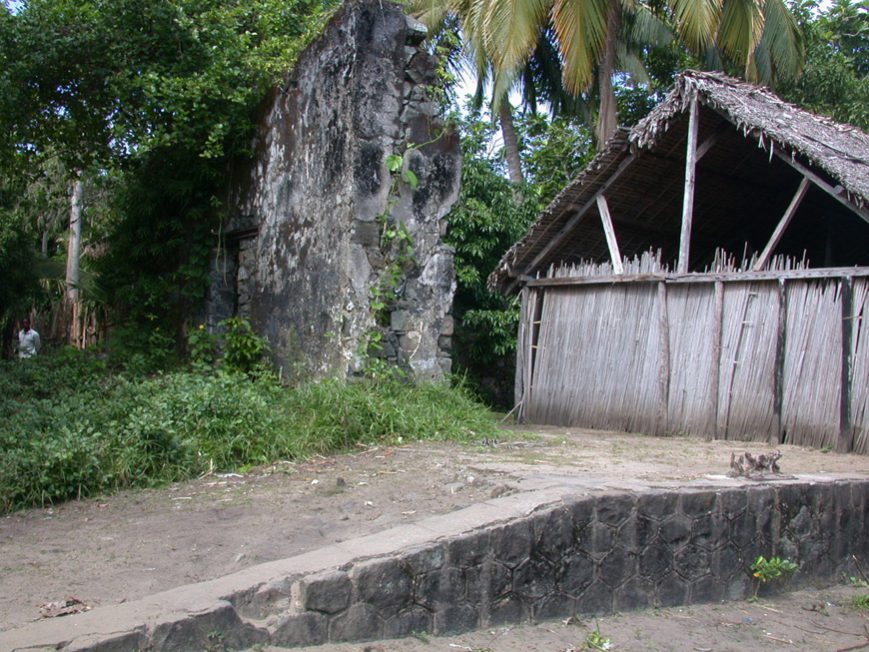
861	602
773	569
243	350
486	221
74	429
835	79
201	348
160	97
597	641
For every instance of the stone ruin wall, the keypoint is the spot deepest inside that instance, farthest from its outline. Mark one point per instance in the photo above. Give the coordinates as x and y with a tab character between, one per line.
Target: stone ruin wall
302	249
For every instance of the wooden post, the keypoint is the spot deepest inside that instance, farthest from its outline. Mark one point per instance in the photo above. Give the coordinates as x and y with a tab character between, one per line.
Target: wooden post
845	444
782	225
714	383
609	232
688	196
779	376
664	358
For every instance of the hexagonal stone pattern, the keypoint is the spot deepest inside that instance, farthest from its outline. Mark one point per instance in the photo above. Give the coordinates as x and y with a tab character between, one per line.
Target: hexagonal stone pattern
589	555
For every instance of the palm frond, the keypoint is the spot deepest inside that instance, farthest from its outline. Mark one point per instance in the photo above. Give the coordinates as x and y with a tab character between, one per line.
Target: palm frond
581	28
511	29
697	21
781	43
740	30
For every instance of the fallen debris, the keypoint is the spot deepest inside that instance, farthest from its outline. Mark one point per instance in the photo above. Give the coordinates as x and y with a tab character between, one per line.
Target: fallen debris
756	468
66	607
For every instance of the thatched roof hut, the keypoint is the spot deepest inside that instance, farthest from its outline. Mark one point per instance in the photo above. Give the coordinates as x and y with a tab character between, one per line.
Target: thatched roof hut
708	272
753	151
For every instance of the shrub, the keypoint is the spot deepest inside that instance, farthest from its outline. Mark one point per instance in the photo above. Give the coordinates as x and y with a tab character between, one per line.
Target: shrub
74	429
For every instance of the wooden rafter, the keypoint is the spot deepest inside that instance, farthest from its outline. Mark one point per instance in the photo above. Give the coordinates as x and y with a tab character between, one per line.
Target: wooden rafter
782	225
571	223
610	233
834	192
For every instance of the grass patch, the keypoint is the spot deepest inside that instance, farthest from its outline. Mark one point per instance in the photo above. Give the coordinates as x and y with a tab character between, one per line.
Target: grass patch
73	429
861	602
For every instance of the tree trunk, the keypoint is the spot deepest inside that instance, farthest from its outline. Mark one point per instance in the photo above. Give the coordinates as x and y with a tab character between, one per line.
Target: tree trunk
511	148
73	258
607	119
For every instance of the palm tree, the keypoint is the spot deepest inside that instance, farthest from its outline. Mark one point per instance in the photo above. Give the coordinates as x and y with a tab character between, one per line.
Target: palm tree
538	80
760	36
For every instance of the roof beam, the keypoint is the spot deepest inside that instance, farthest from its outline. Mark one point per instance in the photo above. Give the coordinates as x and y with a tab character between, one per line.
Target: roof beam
571	223
611	242
782	225
823	185
688	194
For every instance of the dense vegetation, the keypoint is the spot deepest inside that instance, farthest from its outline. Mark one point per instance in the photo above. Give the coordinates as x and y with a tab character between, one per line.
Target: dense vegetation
149	104
73	428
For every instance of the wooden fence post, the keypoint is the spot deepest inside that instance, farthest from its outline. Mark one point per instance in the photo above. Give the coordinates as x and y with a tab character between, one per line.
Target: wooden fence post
779	375
845	443
664	358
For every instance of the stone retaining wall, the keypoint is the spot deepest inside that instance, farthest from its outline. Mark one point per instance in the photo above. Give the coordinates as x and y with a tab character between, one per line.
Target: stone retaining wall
529	556
592	555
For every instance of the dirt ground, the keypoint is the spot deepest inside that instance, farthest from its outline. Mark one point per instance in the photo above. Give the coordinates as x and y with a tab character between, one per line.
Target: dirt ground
122	547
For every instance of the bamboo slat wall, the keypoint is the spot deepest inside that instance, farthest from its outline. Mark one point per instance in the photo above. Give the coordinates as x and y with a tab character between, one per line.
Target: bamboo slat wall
737	359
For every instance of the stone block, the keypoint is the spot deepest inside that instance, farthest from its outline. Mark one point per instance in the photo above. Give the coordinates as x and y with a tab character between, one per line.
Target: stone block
553	533
385	584
655	560
675	531
534	579
301	629
596	599
671	591
425	559
444	586
511	543
727	562
199	630
733	503
697	503
509	609
583	513
468	550
598	539
455	619
360	622
613	510
657	506
617	566
405	623
691	562
553	605
636	593
709	531
707	589
327	592
576	574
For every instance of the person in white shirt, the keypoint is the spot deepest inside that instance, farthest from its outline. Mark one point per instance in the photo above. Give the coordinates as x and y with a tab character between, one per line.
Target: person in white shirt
28	340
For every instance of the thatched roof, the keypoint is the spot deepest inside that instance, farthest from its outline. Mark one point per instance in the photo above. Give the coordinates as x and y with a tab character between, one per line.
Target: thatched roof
746	173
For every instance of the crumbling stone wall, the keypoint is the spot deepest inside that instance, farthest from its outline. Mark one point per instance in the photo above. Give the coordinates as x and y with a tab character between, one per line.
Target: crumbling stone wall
304	245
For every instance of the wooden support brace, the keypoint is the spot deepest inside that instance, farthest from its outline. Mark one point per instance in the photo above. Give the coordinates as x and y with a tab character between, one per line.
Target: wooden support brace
565	230
835	193
782	225
611	242
688	196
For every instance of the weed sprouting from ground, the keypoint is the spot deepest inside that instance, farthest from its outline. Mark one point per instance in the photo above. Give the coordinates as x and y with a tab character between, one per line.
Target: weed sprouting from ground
72	429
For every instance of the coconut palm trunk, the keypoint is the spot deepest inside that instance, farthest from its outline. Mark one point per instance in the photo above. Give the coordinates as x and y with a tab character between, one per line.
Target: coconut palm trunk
607	120
511	148
73	262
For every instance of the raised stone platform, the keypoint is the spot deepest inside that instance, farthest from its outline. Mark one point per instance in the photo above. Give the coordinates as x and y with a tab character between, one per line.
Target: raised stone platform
548	553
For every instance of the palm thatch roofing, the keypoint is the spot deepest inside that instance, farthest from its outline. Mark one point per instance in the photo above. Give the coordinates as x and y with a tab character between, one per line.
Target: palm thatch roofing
756	150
